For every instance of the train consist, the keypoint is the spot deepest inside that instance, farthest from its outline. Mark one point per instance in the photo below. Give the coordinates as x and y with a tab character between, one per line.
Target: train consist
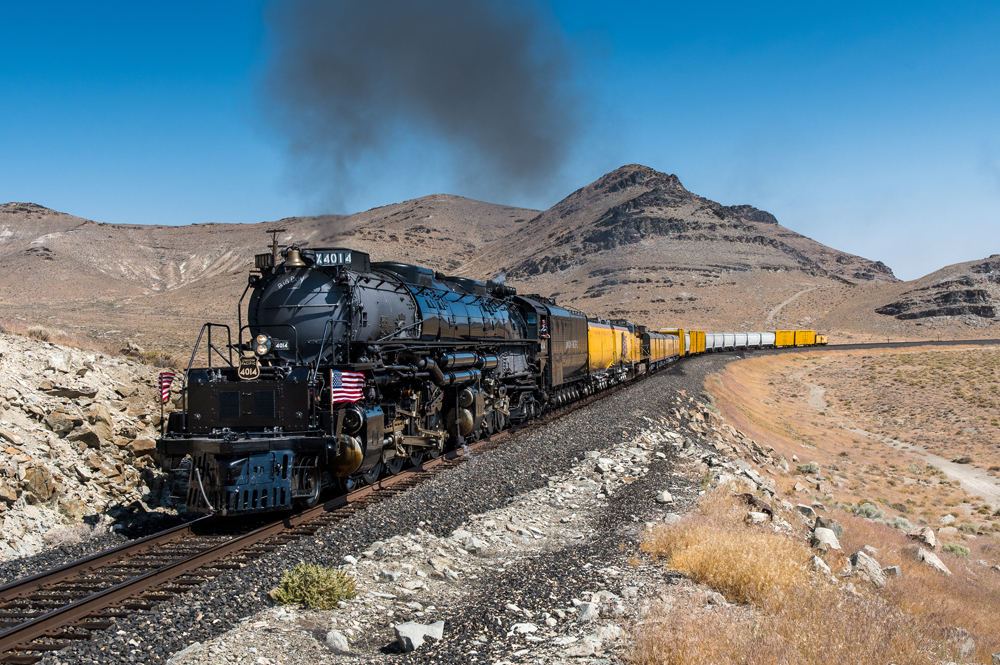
353	369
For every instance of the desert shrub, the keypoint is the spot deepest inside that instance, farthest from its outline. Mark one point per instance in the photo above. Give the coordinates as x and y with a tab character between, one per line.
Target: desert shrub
745	564
315	586
956	549
158	359
967	527
73	534
901	507
810	468
900	523
40	333
868	511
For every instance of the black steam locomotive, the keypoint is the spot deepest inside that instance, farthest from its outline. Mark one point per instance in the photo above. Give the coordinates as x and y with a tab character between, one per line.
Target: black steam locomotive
356	368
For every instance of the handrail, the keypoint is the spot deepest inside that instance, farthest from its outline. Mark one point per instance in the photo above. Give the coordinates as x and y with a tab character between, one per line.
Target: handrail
211	347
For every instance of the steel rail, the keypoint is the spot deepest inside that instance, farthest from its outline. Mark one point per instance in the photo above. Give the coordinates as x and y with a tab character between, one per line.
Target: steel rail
19	638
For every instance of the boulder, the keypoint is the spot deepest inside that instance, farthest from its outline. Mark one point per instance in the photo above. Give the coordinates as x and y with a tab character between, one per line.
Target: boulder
410	635
806	510
929	558
337	642
818	565
85	435
831	524
664	497
867	567
588	611
60	361
62	422
825	537
963	641
75	509
142	446
924	535
8	494
72	393
100	419
893	571
947	519
10	436
38	480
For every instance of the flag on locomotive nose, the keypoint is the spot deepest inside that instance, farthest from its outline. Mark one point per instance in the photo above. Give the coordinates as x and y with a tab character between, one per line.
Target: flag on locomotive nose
346	386
166	378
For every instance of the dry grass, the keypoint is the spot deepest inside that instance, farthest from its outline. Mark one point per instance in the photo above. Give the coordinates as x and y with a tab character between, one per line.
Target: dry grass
72	534
744	564
61	337
790	617
969	598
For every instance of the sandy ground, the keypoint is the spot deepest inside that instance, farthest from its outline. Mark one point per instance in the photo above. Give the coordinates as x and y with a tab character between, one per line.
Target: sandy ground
913	431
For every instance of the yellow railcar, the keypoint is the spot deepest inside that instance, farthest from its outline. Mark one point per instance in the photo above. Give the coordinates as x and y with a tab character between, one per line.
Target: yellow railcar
784	338
821	339
697	341
603	347
805	337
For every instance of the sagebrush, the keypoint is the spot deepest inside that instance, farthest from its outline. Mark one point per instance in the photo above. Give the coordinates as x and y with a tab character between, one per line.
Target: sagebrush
315	586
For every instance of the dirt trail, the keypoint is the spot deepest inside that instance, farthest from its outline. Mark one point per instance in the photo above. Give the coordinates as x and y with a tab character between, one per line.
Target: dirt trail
774	312
973	480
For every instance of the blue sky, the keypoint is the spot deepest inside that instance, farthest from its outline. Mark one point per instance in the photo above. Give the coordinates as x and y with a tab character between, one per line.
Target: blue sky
870	127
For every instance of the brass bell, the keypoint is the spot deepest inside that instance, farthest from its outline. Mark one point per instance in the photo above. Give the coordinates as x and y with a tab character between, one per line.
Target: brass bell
293	259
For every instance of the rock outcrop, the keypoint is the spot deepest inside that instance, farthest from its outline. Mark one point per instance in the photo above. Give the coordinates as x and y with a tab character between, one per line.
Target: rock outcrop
77	430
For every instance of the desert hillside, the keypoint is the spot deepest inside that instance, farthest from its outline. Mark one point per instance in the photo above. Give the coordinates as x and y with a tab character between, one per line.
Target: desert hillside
633	244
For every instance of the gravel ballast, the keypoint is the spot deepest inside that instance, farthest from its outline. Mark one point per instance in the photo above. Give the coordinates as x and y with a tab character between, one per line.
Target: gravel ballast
488	482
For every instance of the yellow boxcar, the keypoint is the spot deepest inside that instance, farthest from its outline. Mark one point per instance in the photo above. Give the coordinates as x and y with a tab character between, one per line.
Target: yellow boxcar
697	341
603	346
805	337
784	338
821	339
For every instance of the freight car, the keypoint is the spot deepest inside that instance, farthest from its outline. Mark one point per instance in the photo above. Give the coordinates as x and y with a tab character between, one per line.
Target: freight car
347	369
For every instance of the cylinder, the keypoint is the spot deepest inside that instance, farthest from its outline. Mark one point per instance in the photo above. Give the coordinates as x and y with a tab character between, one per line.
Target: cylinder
488	362
454	360
460	378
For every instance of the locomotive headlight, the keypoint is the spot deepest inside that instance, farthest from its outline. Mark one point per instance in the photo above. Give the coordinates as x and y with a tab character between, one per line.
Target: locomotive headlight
263	344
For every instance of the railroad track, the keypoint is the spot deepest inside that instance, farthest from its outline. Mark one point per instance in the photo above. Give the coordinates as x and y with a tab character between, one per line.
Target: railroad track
52	610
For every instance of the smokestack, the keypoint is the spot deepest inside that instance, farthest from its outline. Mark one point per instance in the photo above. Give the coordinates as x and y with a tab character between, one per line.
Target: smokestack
488	80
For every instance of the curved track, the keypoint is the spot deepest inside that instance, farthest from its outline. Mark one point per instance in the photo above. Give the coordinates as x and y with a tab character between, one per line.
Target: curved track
49	611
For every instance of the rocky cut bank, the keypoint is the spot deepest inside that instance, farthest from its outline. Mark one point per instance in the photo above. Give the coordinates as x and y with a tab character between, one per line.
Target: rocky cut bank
77	439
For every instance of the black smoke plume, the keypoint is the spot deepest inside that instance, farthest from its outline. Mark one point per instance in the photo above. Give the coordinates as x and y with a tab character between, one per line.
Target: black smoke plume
487	81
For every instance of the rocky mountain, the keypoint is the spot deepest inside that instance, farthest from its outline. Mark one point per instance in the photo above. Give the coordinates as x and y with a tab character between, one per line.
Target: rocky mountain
635	243
963	289
642	211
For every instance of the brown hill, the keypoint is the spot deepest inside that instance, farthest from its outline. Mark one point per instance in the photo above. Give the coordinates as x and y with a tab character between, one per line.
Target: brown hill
635	244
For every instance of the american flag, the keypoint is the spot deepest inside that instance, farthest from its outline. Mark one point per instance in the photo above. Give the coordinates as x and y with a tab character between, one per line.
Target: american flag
346	386
166	378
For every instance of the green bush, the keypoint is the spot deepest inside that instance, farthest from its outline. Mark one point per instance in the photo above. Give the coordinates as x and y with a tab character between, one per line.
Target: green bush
900	523
315	586
956	549
967	527
868	511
